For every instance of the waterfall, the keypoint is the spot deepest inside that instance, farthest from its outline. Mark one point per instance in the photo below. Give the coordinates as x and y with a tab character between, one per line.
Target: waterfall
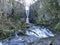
35	33
27	14
35	30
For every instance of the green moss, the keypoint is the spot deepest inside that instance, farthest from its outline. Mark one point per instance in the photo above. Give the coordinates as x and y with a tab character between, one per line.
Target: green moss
58	27
11	27
39	23
25	26
4	34
21	32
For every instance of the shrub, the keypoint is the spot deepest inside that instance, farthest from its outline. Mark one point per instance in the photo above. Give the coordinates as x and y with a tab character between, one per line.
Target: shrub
58	27
4	34
25	26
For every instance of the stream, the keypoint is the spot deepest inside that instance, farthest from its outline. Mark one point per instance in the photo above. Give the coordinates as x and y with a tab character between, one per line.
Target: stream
34	35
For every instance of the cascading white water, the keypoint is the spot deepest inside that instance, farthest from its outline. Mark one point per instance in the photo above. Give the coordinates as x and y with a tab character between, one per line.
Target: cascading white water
39	32
27	14
0	43
16	33
27	6
35	30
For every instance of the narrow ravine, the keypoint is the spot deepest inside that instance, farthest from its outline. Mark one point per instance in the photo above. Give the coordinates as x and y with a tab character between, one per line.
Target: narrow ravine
34	34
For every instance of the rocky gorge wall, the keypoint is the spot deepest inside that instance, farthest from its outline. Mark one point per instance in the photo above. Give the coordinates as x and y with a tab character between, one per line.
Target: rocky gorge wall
45	12
42	13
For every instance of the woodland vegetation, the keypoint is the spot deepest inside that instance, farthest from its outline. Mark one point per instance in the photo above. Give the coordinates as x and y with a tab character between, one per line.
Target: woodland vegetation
42	13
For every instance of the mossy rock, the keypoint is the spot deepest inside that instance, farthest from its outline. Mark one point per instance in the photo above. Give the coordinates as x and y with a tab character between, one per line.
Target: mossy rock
12	27
58	27
43	23
25	26
39	23
21	32
4	34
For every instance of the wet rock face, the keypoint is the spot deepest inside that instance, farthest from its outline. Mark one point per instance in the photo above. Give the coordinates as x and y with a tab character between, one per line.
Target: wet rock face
15	10
46	15
12	14
20	12
33	13
7	9
37	14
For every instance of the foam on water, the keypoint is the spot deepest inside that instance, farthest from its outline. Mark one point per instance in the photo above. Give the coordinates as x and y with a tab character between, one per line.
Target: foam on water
0	43
39	32
34	32
27	14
